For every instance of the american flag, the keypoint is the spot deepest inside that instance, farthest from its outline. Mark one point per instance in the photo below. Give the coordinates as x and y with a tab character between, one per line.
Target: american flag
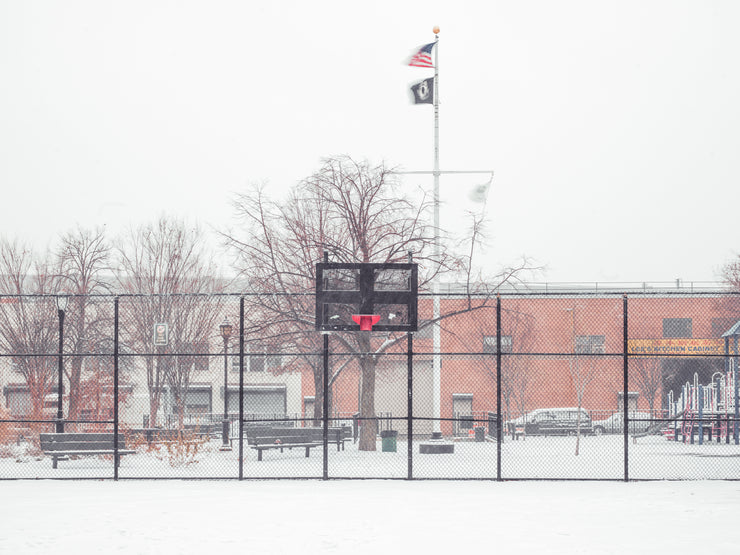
423	58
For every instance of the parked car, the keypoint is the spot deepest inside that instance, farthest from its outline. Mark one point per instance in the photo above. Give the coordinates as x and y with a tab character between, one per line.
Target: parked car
555	421
638	422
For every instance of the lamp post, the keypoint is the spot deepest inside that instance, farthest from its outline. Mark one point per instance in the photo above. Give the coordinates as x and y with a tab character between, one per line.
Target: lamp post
61	307
226	329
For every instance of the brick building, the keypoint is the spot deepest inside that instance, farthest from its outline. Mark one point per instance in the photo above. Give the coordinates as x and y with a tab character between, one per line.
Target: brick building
558	349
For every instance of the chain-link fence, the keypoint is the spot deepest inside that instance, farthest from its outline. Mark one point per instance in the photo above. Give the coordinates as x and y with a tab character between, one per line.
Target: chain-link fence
523	386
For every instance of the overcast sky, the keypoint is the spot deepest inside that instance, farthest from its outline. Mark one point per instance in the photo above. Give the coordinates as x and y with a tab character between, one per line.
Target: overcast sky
612	126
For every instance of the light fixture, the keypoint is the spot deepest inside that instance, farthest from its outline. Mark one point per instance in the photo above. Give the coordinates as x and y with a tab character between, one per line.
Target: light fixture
62	301
226	329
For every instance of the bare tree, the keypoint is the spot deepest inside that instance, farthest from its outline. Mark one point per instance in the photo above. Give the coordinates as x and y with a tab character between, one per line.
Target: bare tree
583	370
349	209
516	370
157	263
730	274
353	211
647	372
517	334
728	306
196	320
82	259
28	326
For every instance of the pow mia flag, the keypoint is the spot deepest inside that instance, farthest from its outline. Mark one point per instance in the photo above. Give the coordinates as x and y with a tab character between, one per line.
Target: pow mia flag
423	91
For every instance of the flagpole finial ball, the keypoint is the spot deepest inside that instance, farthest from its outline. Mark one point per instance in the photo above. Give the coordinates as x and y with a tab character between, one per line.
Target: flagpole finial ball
436	30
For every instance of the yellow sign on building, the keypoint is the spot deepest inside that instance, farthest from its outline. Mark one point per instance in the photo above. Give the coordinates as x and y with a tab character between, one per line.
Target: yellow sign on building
676	347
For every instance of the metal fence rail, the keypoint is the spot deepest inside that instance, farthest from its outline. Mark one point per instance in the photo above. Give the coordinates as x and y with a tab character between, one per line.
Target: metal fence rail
540	385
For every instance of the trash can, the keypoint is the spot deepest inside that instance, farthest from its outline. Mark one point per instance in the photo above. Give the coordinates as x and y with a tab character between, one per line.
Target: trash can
388	439
480	434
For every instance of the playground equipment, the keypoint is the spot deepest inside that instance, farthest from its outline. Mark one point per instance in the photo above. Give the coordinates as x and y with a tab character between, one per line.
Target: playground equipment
709	409
712	408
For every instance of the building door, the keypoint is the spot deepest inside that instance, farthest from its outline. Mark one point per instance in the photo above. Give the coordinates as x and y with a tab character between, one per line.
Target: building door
632	398
308	410
260	402
462	411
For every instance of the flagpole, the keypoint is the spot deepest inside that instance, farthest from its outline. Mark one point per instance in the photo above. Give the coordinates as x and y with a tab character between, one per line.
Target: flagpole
422	59
437	346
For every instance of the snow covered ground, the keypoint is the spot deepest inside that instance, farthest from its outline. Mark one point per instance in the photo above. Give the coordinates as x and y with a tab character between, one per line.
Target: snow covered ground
368	517
653	458
135	516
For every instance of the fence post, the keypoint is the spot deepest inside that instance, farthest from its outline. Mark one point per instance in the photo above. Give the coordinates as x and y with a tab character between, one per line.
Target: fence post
241	388
737	395
625	388
499	430
700	403
115	389
410	401
326	407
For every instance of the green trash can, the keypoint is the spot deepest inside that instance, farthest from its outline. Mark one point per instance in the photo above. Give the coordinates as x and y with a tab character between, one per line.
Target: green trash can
388	439
480	434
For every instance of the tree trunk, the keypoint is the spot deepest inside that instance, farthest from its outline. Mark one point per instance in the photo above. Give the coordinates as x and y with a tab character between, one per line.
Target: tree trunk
368	423
318	399
153	409
154	372
318	403
75	365
180	414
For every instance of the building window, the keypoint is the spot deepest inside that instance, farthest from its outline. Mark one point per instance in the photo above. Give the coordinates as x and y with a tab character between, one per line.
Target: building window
197	401
256	362
590	344
489	344
252	362
721	325
200	363
308	407
676	327
18	400
260	401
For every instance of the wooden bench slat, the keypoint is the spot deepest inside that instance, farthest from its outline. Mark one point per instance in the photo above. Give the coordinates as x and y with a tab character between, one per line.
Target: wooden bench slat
287	435
93	436
283	445
95	452
66	444
80	447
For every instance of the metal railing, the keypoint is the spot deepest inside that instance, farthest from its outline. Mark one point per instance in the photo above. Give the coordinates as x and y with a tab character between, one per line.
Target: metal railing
612	444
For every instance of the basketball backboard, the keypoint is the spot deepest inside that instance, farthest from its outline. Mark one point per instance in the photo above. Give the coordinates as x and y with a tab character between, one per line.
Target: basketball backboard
344	290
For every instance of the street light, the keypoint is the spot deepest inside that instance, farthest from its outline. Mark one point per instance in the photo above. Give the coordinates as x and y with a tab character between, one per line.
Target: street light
226	329
61	307
436	308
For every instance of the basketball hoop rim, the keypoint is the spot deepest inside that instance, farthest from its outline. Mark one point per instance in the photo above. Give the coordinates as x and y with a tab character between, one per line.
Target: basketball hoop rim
366	321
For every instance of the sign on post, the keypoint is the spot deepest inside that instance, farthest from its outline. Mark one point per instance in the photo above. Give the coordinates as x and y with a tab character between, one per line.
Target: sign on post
161	333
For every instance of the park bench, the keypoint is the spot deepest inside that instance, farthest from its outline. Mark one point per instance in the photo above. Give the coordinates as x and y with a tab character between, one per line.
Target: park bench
205	430
265	437
63	445
336	435
282	442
